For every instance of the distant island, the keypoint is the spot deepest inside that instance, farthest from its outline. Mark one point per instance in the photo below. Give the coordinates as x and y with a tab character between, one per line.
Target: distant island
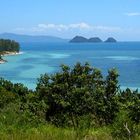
8	47
49	39
95	40
81	39
111	39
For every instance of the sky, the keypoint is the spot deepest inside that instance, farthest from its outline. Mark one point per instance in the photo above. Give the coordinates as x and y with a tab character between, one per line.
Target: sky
68	18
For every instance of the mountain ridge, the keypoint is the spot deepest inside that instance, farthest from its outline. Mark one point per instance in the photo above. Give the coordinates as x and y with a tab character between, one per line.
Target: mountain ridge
31	38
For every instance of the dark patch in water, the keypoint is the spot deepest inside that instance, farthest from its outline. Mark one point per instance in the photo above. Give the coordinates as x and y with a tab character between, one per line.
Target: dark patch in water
10	73
34	60
24	67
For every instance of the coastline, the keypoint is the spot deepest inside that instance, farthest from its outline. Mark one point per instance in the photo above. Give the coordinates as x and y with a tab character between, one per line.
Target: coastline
7	53
2	61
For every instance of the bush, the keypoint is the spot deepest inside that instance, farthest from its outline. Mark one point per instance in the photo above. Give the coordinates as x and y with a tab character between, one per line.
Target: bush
81	91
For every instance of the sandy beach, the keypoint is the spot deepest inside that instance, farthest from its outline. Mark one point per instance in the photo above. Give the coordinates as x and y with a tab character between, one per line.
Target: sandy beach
2	61
7	53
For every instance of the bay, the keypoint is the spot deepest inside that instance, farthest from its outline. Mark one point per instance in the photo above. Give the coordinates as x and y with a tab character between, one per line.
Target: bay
39	58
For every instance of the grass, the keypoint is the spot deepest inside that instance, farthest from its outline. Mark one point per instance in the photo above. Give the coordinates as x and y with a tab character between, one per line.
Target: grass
50	132
20	127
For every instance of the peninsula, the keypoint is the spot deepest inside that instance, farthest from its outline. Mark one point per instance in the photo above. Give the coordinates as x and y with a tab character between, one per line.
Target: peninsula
8	47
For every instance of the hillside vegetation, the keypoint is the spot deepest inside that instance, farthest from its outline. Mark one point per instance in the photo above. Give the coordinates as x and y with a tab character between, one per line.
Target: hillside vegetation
9	45
73	104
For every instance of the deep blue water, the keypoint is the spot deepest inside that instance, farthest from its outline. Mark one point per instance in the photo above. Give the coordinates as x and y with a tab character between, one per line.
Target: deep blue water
40	58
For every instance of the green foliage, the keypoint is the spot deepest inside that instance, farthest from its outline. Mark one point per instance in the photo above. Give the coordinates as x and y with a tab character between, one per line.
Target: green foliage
134	111
124	128
18	89
6	97
9	45
75	93
130	101
79	101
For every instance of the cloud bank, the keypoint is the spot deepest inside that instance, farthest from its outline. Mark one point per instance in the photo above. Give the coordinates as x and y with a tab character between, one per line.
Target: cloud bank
69	27
82	28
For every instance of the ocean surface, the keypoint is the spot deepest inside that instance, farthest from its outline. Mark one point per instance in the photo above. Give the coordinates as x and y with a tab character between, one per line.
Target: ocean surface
40	58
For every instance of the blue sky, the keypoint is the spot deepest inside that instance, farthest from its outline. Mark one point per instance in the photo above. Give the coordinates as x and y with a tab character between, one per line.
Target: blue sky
67	18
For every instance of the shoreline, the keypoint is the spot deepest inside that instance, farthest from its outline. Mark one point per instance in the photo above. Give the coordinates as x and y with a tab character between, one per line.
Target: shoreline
7	53
2	61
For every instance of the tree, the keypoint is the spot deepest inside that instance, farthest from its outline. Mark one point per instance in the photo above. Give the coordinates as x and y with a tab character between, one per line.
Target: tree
110	98
77	92
9	45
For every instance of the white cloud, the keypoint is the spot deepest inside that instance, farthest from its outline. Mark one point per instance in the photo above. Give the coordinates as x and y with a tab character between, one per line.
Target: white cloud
75	27
61	27
52	26
132	14
81	26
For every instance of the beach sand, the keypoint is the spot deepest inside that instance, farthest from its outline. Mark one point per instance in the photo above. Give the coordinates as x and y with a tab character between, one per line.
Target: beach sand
7	53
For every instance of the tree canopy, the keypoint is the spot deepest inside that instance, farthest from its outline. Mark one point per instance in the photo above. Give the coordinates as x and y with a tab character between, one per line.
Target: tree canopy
9	45
78	97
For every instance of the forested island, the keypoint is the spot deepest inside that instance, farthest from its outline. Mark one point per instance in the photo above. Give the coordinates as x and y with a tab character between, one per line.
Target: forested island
81	39
111	40
77	103
8	47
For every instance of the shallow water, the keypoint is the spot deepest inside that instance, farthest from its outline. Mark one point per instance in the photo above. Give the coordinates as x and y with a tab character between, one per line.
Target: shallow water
40	58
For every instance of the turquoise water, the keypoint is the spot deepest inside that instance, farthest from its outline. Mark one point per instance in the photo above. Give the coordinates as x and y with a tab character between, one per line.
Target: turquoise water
40	58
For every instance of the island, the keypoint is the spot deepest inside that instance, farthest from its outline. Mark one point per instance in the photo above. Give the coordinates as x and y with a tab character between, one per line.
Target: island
111	40
81	39
95	40
8	47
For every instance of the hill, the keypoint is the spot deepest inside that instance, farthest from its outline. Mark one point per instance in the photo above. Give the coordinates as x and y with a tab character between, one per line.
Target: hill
95	40
111	40
29	38
81	39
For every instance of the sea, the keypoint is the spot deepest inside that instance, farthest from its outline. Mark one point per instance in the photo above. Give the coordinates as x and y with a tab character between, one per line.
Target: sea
40	58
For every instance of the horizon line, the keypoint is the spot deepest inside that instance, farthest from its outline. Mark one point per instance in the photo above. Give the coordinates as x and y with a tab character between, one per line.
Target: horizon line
21	34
